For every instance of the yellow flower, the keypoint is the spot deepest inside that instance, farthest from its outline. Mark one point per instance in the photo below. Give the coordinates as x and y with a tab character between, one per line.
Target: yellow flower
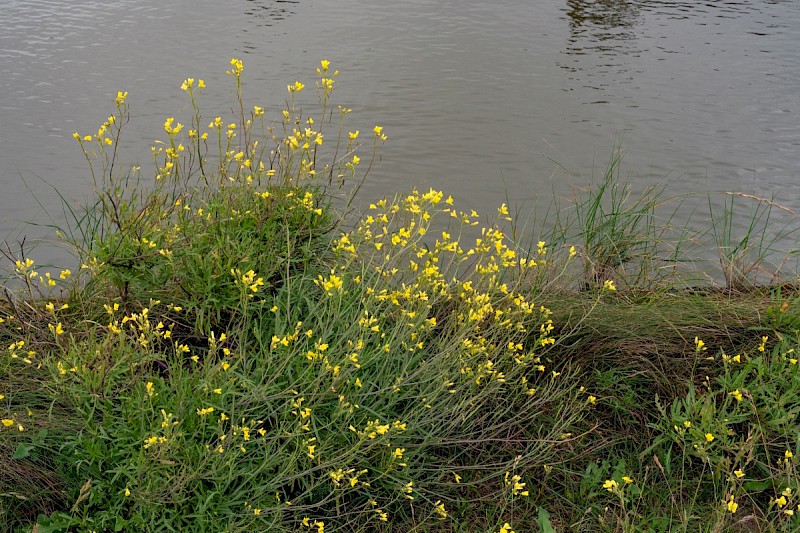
325	64
353	135
627	479
333	283
169	128
709	437
700	346
610	485
237	69
732	505
506	528
515	482
121	96
736	394
379	133
739	473
440	510
609	285
788	455
7	422
127	492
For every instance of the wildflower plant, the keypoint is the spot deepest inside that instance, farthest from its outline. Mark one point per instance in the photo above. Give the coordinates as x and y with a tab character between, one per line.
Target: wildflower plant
738	431
250	365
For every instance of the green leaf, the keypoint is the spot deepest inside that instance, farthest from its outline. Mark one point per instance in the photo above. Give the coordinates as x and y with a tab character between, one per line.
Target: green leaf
544	521
23	451
757	486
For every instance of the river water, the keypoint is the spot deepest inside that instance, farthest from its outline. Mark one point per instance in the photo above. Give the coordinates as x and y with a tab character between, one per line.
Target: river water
508	99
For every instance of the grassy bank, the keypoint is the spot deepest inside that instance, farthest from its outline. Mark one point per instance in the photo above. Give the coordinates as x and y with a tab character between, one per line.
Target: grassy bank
229	357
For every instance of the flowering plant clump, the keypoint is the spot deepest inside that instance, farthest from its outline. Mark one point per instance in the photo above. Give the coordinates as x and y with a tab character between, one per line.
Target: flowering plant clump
252	363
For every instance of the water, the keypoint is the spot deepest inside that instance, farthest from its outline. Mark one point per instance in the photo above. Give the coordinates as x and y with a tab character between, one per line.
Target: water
486	100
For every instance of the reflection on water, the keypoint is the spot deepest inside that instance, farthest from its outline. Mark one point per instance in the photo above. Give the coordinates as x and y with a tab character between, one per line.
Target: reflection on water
593	23
599	21
623	39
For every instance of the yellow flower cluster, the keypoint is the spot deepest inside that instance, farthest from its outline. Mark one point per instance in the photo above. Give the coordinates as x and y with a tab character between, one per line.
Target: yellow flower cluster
331	284
514	484
237	67
248	280
188	84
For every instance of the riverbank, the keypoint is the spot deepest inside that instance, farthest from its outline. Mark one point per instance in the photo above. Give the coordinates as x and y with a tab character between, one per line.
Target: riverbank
231	357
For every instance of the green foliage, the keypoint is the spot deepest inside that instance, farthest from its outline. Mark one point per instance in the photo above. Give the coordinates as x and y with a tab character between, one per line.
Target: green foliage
738	434
229	358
